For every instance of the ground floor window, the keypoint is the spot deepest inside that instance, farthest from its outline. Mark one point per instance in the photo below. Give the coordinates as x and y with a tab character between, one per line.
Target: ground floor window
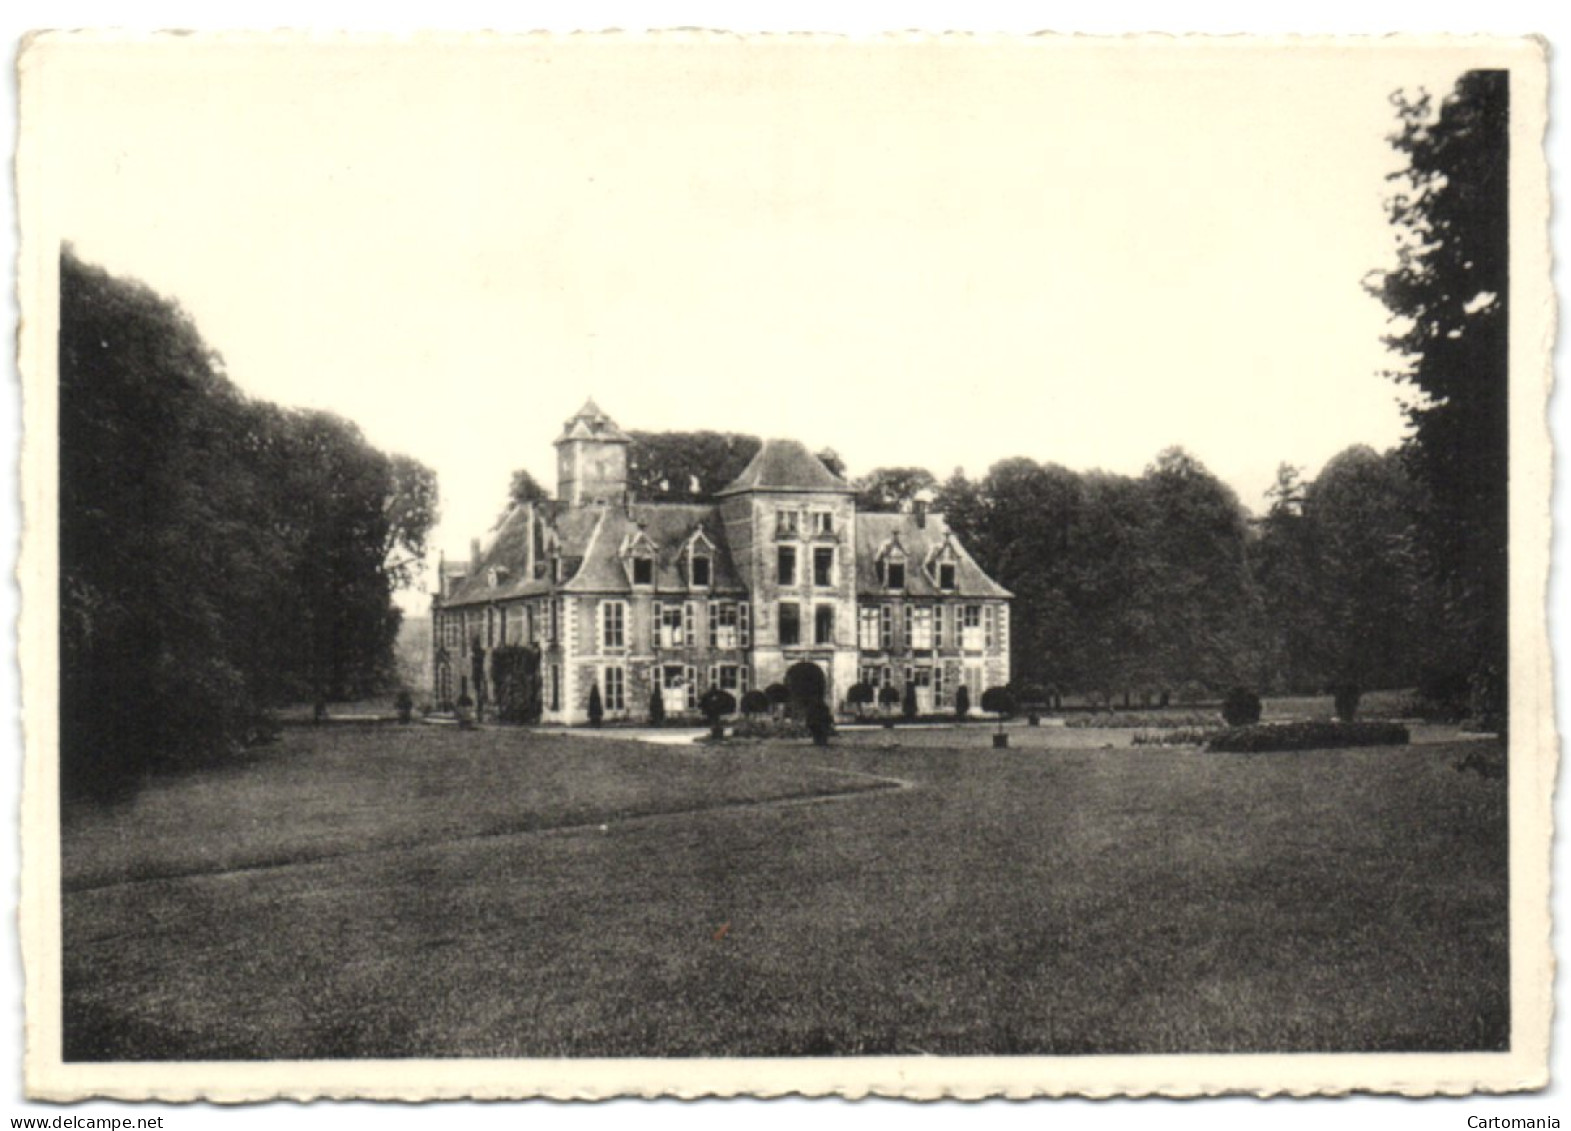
732	678
556	687
615	681
790	623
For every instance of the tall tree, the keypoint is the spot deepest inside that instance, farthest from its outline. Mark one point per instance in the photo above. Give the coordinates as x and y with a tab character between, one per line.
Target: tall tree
525	488
217	555
686	466
1449	297
890	488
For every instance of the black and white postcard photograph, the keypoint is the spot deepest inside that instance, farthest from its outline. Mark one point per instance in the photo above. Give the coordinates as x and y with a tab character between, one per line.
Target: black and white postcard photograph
693	563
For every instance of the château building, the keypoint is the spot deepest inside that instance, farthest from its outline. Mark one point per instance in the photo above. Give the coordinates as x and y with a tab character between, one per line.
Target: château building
779	570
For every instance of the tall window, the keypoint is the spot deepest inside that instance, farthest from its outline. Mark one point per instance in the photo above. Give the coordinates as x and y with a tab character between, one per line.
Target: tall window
971	627
723	625
786	561
556	687
556	619
921	627
615	689
700	571
790	623
668	626
613	618
824	566
788	523
824	624
823	522
867	630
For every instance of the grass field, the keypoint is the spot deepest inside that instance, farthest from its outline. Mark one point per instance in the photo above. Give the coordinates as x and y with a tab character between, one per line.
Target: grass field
429	892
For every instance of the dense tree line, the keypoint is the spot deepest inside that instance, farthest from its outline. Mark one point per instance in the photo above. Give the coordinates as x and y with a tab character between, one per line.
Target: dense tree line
1449	299
219	555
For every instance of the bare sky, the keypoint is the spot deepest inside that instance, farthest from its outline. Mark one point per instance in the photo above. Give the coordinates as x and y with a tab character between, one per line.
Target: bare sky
933	254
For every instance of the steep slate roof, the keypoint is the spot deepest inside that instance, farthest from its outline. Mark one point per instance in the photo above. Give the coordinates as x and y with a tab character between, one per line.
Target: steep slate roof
591	539
920	542
785	465
591	423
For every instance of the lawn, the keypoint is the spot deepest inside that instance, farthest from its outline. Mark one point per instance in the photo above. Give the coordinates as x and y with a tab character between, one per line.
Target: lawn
427	892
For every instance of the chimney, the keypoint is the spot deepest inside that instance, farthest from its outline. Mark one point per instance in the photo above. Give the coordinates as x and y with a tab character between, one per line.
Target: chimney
474	554
529	541
919	504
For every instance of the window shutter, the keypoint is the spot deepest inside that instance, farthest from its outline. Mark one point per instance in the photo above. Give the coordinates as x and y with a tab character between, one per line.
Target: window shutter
938	626
714	675
987	622
657	619
744	678
600	633
689	619
714	624
910	617
744	623
692	687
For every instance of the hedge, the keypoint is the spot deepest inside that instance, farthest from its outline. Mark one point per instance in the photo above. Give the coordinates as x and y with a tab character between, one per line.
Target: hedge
1318	734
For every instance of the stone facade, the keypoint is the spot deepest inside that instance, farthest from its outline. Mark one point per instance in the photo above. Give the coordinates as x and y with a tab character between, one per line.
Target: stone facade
635	598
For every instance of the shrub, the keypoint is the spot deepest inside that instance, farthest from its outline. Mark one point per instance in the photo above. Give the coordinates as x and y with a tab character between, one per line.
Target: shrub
1346	696
888	696
999	700
716	704
656	706
755	702
820	722
1241	707
1317	734
860	695
404	704
516	672
778	695
767	726
908	704
962	702
596	708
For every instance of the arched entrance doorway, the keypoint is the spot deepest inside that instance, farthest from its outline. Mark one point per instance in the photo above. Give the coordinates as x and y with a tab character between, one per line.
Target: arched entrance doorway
806	683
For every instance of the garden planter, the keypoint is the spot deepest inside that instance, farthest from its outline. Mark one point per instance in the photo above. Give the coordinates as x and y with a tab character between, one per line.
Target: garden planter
1000	742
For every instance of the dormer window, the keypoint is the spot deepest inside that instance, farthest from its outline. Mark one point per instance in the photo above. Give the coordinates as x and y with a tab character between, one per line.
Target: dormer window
700	571
894	575
946	576
643	570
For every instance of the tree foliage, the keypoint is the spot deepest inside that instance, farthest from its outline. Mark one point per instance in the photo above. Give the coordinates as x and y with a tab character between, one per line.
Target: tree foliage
683	467
218	555
1449	300
890	489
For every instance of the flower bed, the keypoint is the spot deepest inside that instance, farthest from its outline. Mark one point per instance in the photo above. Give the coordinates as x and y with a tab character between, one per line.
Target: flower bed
1318	734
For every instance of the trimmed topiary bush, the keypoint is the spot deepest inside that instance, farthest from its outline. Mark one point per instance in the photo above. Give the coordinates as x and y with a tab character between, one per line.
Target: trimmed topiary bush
820	722
596	708
716	704
1317	734
861	695
755	702
908	703
656	707
778	695
1241	707
962	702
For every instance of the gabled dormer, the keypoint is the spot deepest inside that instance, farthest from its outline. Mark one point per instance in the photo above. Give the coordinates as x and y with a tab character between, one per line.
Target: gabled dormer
638	554
697	559
891	562
943	565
